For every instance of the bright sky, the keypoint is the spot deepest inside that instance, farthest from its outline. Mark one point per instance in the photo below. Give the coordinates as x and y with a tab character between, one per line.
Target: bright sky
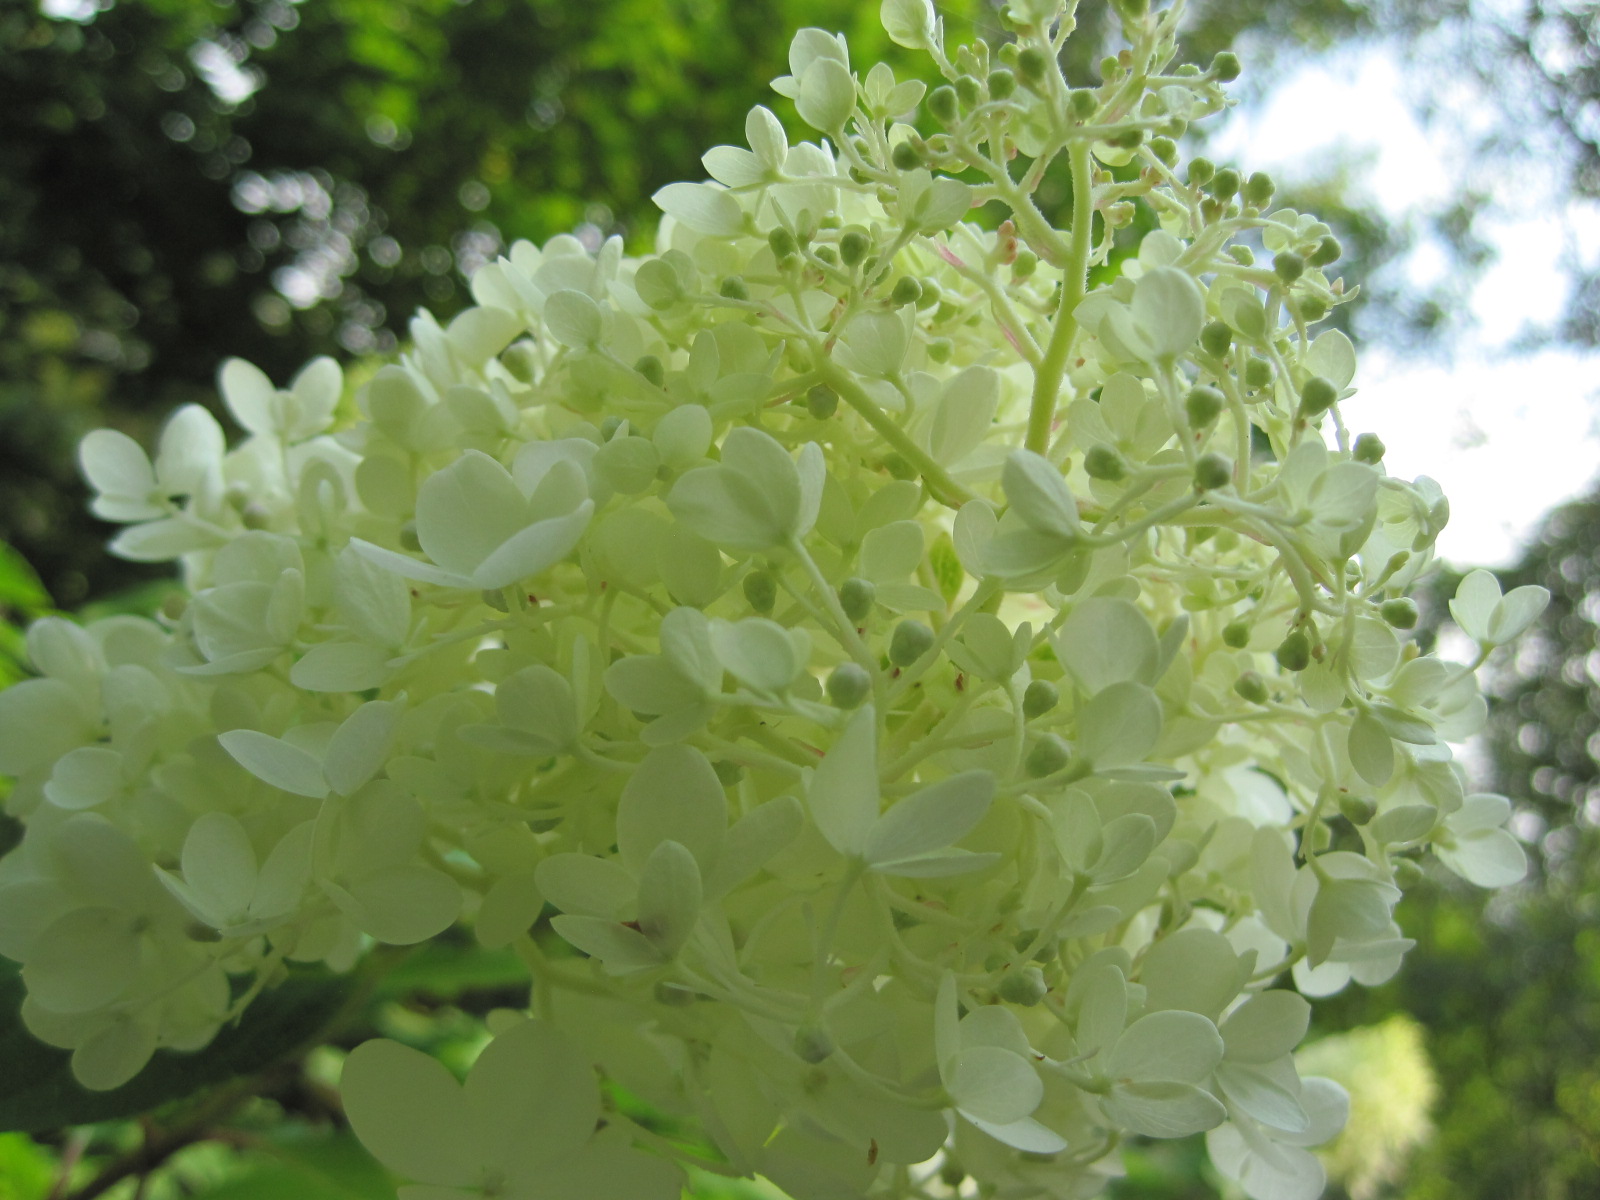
1507	434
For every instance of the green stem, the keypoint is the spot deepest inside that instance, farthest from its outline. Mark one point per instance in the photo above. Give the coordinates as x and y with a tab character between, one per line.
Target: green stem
1074	284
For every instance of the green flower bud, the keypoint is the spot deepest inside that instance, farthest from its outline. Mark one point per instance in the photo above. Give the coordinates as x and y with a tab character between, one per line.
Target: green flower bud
909	642
856	597
940	349
1038	698
1212	471
1002	83
1201	171
827	254
1400	612
1049	755
1311	309
782	242
969	91
1242	255
849	685
1317	396
1225	184
1257	372
1083	104
1294	652
952	1173
822	401
1032	63
1252	687
761	590
812	1043
650	367
1369	448
944	104
854	243
1358	810
1027	262
906	291
1407	874
1236	634
733	288
1105	462
1225	66
1024	986
1216	338
1165	149
905	156
1258	190
899	467
1203	405
1288	265
1328	251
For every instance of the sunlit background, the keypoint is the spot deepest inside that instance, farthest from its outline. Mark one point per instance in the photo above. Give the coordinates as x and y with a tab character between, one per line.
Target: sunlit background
184	180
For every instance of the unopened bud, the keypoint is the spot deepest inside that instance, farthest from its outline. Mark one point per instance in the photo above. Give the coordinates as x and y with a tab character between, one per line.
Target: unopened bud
1215	339
856	597
853	245
782	243
1025	264
1311	309
1258	190
733	288
1032	63
650	367
944	104
812	1043
909	642
1328	251
849	685
1039	698
1236	634
1201	171
761	590
906	291
1203	405
1294	652
1252	687
1317	396
1024	986
1257	372
1212	471
1288	266
1105	462
1400	612
1225	66
1225	184
1358	810
1369	448
905	156
1165	149
822	402
1083	104
1049	755
1002	83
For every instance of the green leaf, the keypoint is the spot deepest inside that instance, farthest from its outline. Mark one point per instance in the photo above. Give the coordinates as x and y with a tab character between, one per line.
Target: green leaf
39	1092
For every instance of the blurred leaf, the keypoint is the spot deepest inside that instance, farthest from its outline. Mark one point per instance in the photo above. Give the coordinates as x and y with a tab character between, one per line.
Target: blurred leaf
445	971
299	1164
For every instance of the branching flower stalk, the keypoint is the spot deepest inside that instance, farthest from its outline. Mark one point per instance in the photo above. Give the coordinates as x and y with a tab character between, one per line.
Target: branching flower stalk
868	674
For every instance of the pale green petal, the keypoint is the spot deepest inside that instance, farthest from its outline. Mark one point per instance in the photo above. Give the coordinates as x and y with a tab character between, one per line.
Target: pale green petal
409	1112
673	794
932	818
1171	1045
275	762
994	1085
1162	1109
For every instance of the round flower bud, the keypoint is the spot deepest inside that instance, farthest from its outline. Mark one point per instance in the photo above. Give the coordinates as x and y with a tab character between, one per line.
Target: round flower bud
1212	471
1258	190
1369	448
856	597
1400	612
822	401
1252	687
1225	66
1294	652
1024	986
1215	339
905	156
899	467
827	254
1105	462
944	104
761	590
1358	810
906	291
854	243
782	243
1025	264
1236	634
1257	372
650	367
849	685
1039	698
1288	265
1317	396
940	349
1049	755
1083	104
969	91
1165	149
1407	873
733	288
1311	309
1328	251
1131	10
1032	63
1225	184
909	642
812	1043
1201	171
1203	405
1002	83
1242	255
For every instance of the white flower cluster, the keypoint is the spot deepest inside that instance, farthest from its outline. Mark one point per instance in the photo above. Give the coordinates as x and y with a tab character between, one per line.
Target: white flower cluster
913	711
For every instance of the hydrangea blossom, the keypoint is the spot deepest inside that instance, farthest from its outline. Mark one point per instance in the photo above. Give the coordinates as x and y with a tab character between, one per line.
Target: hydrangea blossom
920	707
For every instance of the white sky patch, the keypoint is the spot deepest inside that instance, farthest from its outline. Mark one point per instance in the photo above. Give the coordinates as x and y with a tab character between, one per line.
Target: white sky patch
1507	434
